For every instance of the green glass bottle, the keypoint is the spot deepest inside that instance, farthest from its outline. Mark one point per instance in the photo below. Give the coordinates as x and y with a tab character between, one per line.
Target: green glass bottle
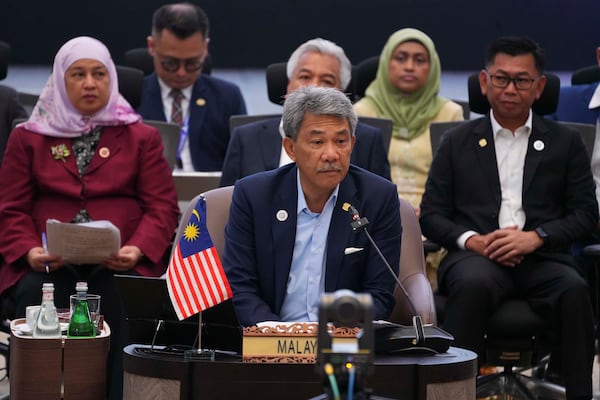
81	324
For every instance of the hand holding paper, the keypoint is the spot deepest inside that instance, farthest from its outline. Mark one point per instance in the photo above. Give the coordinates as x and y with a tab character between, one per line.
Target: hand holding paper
86	243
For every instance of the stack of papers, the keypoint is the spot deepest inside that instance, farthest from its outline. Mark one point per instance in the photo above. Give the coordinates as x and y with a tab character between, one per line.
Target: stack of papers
85	243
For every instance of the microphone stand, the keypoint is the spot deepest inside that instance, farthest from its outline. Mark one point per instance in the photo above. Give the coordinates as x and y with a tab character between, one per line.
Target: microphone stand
359	224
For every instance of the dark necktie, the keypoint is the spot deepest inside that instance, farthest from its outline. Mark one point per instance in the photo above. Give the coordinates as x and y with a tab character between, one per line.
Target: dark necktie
176	111
177	118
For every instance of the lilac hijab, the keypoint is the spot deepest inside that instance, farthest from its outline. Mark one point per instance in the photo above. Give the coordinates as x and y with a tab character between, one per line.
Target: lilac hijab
54	115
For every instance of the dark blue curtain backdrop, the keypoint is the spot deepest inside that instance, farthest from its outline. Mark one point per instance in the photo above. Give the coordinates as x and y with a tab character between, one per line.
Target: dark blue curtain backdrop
255	33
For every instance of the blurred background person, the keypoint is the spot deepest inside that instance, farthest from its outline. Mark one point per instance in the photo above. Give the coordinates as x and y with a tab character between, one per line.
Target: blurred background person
179	92
406	90
257	146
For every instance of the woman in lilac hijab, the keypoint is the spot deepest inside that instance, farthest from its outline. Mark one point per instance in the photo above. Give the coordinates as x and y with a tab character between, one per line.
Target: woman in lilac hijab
83	156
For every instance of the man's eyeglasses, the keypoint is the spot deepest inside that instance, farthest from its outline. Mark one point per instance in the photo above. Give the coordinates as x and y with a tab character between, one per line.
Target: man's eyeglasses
502	81
172	64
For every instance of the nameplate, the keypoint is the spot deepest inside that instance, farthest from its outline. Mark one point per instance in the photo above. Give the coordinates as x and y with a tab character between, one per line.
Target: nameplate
287	343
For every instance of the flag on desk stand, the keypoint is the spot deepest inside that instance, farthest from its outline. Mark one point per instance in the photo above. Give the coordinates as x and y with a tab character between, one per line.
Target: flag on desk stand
195	277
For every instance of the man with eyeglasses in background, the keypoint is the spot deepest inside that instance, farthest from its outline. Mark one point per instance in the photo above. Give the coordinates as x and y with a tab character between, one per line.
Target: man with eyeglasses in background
507	194
179	92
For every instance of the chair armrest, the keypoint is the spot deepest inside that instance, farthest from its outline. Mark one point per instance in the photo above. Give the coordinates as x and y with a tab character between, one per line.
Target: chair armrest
419	290
430	246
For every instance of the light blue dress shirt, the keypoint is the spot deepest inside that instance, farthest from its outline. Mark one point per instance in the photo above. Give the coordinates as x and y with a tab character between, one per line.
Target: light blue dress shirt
306	280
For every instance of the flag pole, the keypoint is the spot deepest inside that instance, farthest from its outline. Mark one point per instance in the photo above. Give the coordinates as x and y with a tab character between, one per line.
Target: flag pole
200	331
199	353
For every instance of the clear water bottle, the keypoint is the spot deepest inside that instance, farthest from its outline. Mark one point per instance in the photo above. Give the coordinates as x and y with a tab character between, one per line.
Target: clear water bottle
47	325
81	324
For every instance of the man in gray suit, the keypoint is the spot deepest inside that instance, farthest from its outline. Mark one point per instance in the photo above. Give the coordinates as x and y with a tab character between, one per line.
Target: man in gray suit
507	194
257	146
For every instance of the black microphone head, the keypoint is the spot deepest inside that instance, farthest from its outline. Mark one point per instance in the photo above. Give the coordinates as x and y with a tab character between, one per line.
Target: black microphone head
351	209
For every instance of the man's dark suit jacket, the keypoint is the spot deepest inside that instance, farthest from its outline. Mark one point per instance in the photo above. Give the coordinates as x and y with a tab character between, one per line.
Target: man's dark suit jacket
256	147
260	237
213	102
10	109
463	188
573	104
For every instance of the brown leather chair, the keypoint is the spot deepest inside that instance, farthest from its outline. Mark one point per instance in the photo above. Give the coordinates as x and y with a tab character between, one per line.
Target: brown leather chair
217	214
412	274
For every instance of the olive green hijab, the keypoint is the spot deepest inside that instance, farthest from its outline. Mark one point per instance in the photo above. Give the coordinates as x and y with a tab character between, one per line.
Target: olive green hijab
412	112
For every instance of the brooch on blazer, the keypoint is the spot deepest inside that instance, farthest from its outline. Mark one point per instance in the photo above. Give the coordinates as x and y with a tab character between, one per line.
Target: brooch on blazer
60	152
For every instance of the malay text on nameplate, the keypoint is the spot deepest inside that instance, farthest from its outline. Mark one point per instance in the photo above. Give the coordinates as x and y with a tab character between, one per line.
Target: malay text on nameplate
83	243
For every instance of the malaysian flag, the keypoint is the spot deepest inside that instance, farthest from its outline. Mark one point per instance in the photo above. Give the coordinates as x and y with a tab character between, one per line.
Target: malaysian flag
195	277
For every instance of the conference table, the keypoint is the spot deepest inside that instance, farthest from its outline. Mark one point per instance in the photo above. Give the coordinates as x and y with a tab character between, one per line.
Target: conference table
150	374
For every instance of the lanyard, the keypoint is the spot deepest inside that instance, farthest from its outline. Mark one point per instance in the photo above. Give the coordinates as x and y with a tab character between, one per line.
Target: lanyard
183	135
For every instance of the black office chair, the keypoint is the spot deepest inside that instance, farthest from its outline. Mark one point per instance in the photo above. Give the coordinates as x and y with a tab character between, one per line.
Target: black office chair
6	310
239	120
277	80
4	59
586	75
131	81
545	105
517	339
140	58
7	313
363	74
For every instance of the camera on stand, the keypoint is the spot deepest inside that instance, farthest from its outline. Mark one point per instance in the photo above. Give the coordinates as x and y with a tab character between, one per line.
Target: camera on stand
345	362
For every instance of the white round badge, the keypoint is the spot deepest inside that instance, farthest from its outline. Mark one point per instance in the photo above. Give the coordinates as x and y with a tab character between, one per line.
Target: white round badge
281	215
538	145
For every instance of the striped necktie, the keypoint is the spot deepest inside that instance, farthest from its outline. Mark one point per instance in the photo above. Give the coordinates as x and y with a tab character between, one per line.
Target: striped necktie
176	111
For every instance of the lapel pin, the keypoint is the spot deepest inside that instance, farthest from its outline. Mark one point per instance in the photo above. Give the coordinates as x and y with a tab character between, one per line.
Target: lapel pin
482	142
104	152
201	102
281	215
538	145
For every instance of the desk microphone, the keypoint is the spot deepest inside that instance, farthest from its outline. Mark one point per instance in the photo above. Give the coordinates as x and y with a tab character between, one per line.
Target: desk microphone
399	337
360	224
158	326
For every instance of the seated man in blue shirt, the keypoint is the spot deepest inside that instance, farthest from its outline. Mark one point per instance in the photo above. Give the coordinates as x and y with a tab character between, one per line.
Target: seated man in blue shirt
289	239
178	91
257	146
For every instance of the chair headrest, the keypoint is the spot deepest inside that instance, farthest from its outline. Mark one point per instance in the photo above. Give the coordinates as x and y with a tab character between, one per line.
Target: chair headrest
140	58
131	81
362	75
586	75
277	81
545	105
4	59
